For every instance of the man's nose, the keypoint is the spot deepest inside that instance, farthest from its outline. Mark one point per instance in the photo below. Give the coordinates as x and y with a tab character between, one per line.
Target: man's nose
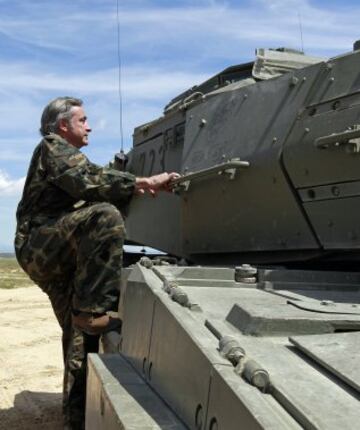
88	128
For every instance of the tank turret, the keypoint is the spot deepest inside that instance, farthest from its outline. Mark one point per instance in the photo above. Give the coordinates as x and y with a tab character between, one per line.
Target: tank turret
269	153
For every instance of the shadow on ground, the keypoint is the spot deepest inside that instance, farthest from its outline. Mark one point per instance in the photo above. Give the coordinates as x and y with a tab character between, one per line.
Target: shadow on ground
33	411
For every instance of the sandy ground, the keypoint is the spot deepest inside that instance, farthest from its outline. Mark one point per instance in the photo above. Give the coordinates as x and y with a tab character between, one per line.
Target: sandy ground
30	362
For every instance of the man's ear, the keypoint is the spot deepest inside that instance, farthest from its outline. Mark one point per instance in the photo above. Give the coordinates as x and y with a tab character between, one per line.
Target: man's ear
63	125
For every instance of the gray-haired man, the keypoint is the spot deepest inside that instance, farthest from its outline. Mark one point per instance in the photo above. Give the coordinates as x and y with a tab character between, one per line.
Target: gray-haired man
70	234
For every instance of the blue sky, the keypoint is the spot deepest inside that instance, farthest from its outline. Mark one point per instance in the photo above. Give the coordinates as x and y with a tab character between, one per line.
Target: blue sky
52	48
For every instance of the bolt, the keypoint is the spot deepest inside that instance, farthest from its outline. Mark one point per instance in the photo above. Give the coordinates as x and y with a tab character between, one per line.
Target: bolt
202	122
146	262
335	191
293	81
327	303
246	273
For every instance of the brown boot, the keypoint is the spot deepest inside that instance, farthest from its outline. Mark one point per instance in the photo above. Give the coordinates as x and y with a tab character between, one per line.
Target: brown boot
95	324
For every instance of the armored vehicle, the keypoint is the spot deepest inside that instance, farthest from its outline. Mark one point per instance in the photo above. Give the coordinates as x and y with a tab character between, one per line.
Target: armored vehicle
257	324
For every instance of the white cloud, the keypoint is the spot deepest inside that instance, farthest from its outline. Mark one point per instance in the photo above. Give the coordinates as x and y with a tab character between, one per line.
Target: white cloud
138	82
212	28
29	88
215	29
10	187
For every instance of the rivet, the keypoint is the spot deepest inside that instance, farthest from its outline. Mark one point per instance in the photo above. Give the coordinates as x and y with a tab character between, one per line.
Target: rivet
327	303
335	191
293	81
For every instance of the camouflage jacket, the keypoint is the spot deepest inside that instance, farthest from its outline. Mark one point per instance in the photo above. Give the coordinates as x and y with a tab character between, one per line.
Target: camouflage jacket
60	176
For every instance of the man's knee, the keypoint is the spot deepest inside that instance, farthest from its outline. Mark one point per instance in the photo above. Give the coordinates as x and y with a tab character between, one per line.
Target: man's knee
106	214
104	220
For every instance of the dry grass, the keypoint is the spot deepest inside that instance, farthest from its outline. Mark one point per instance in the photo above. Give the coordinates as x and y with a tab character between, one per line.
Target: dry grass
12	275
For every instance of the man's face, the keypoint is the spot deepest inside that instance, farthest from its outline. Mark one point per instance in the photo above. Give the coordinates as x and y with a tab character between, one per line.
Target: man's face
76	130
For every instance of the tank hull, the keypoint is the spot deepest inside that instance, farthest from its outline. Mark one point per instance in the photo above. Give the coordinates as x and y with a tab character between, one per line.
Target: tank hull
224	350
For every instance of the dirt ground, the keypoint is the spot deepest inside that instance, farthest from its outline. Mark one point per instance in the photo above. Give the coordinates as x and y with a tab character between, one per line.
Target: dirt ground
30	361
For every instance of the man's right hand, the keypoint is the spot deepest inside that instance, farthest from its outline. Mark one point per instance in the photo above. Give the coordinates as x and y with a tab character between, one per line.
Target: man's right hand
155	183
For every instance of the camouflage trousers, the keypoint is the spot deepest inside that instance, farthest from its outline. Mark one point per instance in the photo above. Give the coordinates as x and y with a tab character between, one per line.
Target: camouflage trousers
76	259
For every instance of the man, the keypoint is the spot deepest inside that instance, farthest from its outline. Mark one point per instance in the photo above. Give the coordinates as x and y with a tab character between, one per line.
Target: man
69	238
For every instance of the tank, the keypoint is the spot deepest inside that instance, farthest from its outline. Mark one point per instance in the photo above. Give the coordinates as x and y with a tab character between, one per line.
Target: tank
254	321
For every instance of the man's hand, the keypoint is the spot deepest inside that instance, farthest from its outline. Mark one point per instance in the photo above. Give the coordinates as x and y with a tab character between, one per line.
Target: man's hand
153	184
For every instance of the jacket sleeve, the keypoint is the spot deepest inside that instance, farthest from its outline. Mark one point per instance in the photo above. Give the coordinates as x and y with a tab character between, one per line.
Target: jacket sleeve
70	170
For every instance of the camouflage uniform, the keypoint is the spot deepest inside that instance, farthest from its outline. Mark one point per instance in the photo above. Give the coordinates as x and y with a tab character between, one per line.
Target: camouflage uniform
69	240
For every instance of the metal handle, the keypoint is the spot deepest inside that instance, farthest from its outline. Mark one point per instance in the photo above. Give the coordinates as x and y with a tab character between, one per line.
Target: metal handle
338	139
229	168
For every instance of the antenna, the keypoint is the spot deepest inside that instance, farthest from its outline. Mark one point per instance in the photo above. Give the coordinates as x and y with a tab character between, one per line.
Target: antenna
301	32
119	79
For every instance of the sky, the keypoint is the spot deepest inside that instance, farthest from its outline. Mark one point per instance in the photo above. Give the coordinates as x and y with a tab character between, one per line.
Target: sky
70	47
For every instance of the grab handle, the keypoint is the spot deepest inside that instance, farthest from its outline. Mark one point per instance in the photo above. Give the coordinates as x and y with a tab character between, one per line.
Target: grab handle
228	168
338	139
